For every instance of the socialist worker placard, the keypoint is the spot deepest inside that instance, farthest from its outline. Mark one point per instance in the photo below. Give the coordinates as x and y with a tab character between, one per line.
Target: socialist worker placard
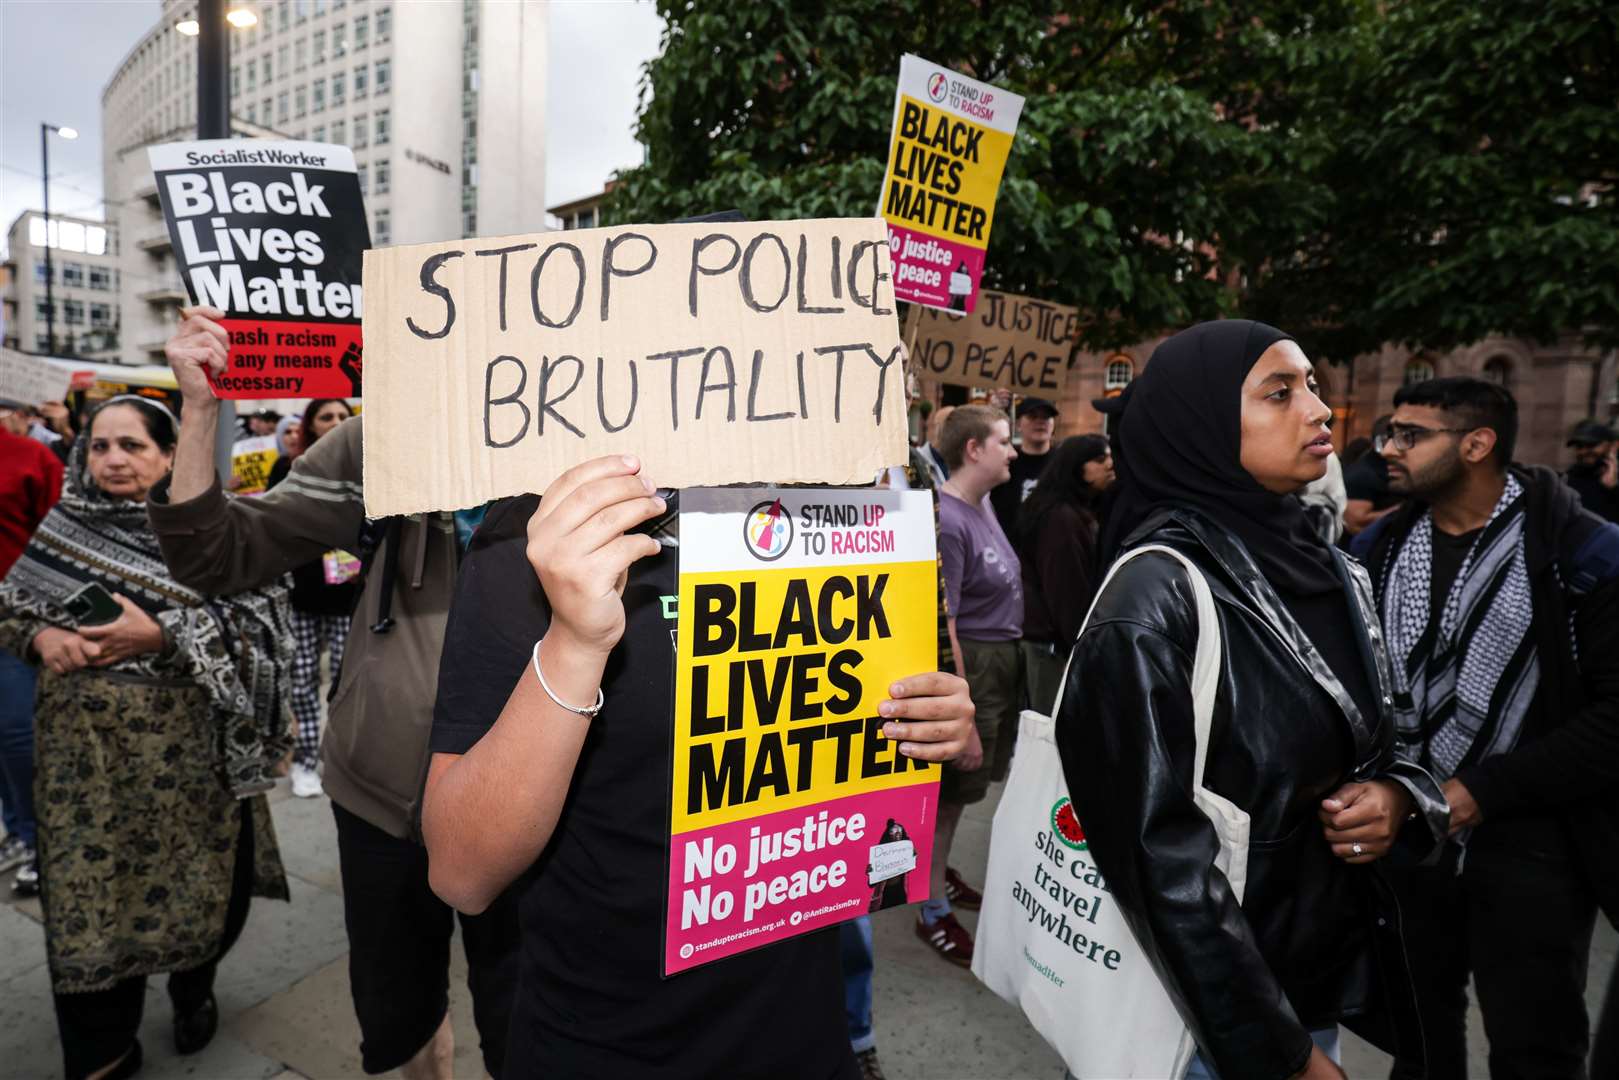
951	138
789	811
271	232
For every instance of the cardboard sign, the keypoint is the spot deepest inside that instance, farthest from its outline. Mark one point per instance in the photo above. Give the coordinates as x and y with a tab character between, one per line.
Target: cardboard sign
30	380
719	354
951	138
271	233
798	609
250	463
1010	341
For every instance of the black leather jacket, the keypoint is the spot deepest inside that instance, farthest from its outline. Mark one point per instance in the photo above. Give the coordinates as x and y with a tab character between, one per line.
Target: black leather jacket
1316	941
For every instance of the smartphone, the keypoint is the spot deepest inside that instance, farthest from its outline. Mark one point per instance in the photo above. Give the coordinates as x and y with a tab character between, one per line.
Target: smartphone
93	606
658	527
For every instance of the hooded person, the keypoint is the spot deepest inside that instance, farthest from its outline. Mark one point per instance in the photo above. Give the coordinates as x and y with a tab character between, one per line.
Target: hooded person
1210	447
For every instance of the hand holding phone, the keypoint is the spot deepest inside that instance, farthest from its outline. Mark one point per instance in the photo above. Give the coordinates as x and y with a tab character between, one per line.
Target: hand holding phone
93	605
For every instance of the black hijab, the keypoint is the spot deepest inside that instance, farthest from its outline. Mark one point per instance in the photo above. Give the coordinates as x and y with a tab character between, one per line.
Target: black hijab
1178	440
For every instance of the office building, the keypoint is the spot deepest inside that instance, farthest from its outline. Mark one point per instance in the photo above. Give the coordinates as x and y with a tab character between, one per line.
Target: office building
442	103
84	286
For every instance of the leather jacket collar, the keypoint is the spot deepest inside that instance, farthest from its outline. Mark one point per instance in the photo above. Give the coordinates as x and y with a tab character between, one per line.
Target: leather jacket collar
1247	589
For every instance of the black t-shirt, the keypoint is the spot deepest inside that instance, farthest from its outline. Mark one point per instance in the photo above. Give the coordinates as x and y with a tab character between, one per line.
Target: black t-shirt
591	1000
1006	498
1449	552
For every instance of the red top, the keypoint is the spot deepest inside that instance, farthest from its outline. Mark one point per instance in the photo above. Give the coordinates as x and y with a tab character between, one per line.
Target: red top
30	483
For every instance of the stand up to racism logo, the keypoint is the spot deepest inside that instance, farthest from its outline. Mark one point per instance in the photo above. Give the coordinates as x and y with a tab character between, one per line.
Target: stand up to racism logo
768	531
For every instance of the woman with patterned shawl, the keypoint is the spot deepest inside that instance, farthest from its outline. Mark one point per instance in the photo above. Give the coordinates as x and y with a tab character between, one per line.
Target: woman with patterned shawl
157	735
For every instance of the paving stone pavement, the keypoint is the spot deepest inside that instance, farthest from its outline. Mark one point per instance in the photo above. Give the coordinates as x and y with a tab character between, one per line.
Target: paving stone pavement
284	991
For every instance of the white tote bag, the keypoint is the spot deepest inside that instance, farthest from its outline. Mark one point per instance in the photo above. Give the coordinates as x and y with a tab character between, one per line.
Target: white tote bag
1050	937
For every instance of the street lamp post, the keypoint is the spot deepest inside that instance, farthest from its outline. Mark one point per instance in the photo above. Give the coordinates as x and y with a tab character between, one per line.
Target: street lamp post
213	122
45	181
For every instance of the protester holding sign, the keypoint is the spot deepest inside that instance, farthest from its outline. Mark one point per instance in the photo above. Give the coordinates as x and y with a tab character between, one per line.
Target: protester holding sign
375	753
568	600
984	589
1221	430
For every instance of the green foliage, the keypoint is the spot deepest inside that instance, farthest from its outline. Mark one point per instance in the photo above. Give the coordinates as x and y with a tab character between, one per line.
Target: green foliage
1354	171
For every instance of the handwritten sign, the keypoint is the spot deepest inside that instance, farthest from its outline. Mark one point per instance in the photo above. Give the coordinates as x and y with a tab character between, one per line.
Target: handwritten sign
29	380
736	353
951	139
890	861
270	232
798	609
1010	341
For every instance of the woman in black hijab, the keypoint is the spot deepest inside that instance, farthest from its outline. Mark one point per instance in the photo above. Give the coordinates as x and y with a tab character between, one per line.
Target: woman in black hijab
1217	434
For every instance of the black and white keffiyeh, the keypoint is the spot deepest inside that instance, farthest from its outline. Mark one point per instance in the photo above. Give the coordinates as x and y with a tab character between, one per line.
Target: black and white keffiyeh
1464	686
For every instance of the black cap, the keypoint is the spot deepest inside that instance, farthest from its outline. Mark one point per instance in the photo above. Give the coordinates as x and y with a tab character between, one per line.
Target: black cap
1591	433
1033	405
1108	406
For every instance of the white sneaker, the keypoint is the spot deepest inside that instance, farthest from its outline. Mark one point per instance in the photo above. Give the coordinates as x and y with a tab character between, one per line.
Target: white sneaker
13	852
305	781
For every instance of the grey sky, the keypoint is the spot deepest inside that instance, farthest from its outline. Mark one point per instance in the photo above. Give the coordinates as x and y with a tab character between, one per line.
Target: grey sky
56	55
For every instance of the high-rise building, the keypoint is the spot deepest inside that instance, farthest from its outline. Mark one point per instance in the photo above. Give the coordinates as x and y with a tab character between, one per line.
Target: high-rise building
443	104
84	286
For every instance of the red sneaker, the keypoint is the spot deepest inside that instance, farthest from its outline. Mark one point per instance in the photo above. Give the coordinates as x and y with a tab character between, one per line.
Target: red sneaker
959	893
948	938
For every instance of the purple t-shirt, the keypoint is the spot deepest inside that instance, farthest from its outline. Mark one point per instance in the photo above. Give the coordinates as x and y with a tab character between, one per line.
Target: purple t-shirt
982	577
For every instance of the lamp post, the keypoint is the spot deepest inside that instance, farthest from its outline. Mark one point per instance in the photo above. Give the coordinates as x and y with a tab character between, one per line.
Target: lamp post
45	181
211	29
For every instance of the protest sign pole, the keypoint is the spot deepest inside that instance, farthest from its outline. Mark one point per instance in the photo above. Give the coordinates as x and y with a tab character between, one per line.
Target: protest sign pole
213	122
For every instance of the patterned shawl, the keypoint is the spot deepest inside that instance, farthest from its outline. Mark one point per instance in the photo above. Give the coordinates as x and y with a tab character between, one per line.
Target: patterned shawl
1464	686
237	648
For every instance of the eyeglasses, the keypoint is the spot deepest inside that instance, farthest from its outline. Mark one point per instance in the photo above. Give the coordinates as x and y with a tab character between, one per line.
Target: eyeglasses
1405	436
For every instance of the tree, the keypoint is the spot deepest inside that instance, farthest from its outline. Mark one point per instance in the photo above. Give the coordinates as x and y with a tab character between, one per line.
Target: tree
1470	155
1357	171
1151	134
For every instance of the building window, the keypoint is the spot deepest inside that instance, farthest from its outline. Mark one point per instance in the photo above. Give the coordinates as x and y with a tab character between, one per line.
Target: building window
383	233
73	274
360	87
42	342
362	132
339	86
302	98
281	112
1498	369
384	76
235	80
286	14
318	48
318	100
382	177
385	23
100	278
362	32
268	67
303	9
1120	370
319	134
101	316
252	114
252	75
1418	370
43	310
298	52
340	41
339	131
73	310
363	174
264	111
384	125
281	64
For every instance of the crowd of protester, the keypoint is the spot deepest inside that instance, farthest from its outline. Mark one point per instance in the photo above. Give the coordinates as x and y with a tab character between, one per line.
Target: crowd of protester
1418	710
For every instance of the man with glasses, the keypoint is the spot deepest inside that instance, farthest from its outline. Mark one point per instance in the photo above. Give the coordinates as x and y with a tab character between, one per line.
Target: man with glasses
1499	597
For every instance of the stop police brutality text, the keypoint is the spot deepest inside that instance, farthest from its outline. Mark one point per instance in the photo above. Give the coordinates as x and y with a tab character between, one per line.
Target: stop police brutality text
524	395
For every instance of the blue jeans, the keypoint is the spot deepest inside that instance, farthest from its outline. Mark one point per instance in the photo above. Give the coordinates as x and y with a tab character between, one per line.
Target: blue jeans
858	963
17	747
1326	1039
